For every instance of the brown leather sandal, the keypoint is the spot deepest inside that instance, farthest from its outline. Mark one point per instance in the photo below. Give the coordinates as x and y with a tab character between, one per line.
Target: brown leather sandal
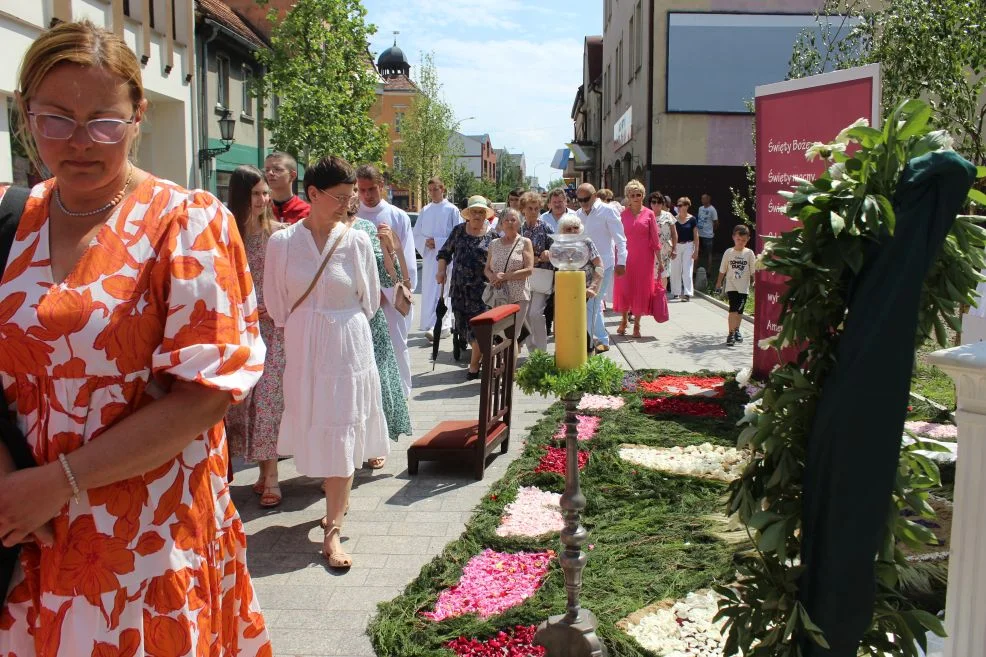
340	559
270	499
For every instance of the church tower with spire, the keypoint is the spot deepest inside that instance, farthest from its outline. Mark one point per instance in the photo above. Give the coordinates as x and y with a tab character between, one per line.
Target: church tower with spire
395	93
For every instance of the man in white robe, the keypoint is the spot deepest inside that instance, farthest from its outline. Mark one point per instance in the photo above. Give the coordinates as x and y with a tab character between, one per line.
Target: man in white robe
435	222
373	208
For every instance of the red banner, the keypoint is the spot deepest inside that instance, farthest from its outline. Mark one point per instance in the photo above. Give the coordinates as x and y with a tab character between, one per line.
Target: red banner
790	117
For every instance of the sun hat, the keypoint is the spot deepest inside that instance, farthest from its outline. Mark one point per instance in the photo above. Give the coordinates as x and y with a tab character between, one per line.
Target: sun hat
477	202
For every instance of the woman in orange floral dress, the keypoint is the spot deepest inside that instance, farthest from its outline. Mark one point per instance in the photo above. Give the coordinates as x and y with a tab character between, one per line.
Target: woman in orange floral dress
129	325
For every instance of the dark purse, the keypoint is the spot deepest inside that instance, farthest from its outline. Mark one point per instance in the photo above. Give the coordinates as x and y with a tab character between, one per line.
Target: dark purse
11	209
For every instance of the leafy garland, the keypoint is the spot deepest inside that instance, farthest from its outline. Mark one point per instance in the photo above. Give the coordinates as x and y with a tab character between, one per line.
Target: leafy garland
841	213
597	375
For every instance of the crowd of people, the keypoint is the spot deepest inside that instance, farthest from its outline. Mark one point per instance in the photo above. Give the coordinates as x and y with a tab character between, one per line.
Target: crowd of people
156	331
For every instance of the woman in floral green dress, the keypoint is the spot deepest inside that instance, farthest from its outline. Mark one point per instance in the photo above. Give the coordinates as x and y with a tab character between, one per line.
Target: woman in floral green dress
394	402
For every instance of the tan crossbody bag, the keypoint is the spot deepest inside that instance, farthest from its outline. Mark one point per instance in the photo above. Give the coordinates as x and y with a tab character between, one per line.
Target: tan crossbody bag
318	274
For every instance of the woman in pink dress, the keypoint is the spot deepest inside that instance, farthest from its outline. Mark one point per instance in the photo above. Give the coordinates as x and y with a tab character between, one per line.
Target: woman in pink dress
636	292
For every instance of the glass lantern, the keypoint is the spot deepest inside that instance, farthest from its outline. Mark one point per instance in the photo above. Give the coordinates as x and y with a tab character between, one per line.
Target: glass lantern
569	252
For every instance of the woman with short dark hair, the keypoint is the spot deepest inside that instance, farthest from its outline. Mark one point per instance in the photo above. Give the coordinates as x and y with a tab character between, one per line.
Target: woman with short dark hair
323	288
252	425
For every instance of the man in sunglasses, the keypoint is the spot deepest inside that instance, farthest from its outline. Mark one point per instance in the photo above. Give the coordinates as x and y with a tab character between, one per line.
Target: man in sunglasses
603	226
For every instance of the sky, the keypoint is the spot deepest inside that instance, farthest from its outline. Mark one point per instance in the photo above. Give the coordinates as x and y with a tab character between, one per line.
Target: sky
514	65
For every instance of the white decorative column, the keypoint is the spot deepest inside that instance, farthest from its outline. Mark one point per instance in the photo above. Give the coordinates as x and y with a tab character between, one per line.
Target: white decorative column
965	605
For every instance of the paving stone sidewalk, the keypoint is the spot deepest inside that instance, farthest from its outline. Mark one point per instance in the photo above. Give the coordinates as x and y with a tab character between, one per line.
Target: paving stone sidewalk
398	523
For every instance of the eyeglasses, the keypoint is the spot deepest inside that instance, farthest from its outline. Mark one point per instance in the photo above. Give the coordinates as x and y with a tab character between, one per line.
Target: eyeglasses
342	199
101	131
583	199
275	170
657	202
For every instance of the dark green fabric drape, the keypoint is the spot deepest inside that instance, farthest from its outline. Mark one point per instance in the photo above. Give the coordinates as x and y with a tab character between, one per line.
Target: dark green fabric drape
854	444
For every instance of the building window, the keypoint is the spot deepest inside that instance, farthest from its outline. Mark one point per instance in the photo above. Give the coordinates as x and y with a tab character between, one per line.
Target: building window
398	161
619	69
150	10
639	57
606	90
247	91
222	81
633	49
398	121
126	7
275	104
222	185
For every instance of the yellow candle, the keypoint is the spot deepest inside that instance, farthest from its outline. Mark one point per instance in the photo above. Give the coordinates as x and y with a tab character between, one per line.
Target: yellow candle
570	331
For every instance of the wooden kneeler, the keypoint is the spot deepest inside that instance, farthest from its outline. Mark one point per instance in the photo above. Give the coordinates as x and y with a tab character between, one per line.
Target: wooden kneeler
475	440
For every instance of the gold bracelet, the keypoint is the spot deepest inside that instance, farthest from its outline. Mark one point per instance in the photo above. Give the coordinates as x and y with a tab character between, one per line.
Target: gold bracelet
70	476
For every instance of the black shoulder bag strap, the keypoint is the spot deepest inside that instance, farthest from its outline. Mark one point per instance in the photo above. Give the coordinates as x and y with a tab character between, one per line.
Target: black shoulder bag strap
11	209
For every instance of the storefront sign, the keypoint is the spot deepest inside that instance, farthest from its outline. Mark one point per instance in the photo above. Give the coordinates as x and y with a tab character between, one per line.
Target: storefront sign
622	129
790	117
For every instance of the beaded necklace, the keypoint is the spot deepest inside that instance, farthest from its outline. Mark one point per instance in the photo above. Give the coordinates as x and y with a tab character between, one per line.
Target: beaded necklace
112	203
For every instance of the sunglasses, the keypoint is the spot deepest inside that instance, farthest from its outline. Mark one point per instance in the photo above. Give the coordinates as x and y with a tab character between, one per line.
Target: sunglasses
583	199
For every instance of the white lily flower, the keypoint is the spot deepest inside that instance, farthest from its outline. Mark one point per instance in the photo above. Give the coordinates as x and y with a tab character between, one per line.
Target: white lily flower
843	137
815	150
752	408
743	376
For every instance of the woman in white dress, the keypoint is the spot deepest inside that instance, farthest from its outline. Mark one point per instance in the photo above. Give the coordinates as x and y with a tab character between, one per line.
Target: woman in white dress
333	412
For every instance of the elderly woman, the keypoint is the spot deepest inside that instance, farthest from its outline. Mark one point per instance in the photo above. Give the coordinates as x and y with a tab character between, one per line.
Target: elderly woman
669	236
593	268
510	262
636	291
323	288
129	305
253	425
537	230
468	245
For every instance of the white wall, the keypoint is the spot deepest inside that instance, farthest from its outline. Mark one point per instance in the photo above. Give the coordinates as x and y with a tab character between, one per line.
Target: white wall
6	164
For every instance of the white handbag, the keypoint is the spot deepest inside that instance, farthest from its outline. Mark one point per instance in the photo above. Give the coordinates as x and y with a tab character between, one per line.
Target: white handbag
542	281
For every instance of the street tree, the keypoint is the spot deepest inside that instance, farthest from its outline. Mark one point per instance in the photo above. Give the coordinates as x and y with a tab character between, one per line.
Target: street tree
926	49
460	182
428	145
321	82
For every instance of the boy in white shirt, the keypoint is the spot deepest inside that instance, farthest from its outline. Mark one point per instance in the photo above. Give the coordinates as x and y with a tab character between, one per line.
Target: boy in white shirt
737	271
